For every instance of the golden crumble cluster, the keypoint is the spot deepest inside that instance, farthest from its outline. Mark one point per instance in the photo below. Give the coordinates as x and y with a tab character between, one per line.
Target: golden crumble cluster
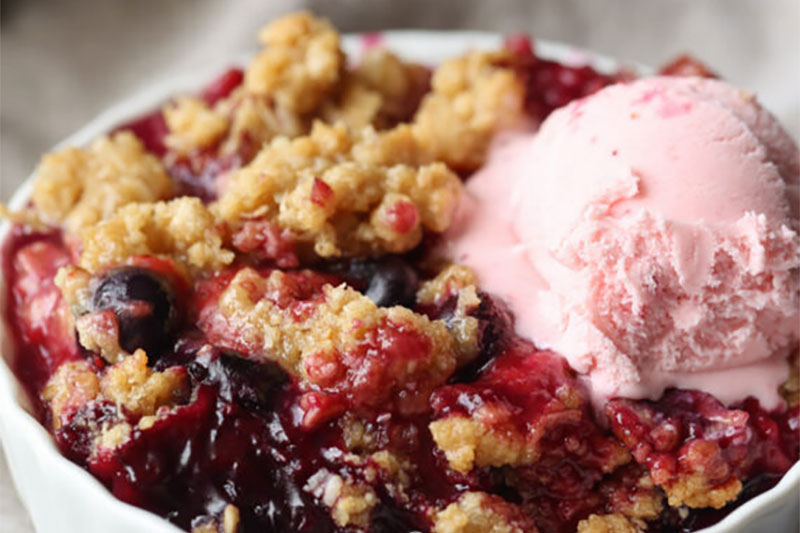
478	512
350	503
130	384
697	490
78	187
301	62
228	523
329	191
491	436
342	190
460	282
640	500
182	229
192	124
608	523
381	91
299	75
472	98
327	345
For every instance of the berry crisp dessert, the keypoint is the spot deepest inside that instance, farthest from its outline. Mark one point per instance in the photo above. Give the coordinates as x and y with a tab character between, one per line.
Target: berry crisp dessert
501	294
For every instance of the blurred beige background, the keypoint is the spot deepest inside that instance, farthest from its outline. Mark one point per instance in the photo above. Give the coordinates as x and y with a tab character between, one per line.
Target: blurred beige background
64	61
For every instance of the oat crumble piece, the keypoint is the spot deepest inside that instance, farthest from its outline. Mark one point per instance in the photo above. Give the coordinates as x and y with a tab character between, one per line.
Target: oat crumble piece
460	282
696	491
299	71
111	436
230	519
300	64
325	340
450	280
609	523
478	512
467	442
182	229
396	467
300	67
350	502
790	389
228	524
192	124
141	390
491	436
519	407
99	332
638	498
255	120
472	98
81	186
209	526
72	386
336	190
381	91
73	282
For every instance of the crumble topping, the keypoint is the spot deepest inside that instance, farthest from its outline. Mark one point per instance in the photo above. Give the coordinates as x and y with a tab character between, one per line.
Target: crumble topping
254	120
632	493
299	76
99	332
72	386
350	503
460	282
182	229
333	190
130	383
326	338
695	490
112	436
81	186
381	91
300	63
478	512
450	280
790	389
473	97
491	433
609	523
466	442
192	124
141	390
229	523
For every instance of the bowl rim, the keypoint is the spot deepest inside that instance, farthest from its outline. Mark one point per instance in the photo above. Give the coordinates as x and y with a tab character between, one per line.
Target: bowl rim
417	45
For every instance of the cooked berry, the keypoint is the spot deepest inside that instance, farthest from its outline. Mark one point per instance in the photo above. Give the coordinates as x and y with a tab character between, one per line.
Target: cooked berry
393	283
142	301
387	282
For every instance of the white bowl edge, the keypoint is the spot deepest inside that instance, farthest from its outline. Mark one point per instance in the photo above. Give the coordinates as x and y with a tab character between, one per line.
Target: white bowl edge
61	496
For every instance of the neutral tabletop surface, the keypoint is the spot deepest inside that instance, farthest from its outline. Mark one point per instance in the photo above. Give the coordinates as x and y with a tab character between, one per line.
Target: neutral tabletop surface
64	62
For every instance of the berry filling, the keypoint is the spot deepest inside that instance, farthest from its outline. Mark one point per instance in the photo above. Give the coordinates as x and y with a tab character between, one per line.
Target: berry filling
239	376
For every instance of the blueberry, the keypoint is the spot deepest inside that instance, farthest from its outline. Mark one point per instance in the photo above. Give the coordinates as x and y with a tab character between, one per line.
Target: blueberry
393	282
387	281
143	302
249	383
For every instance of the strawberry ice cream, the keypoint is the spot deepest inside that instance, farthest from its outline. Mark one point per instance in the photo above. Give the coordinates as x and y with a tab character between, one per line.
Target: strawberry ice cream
649	234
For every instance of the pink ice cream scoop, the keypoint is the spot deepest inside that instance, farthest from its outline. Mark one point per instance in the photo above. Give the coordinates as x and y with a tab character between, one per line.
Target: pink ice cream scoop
649	234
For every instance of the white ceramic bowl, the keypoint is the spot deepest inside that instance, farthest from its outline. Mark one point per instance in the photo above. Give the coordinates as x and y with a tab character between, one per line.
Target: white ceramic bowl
61	497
